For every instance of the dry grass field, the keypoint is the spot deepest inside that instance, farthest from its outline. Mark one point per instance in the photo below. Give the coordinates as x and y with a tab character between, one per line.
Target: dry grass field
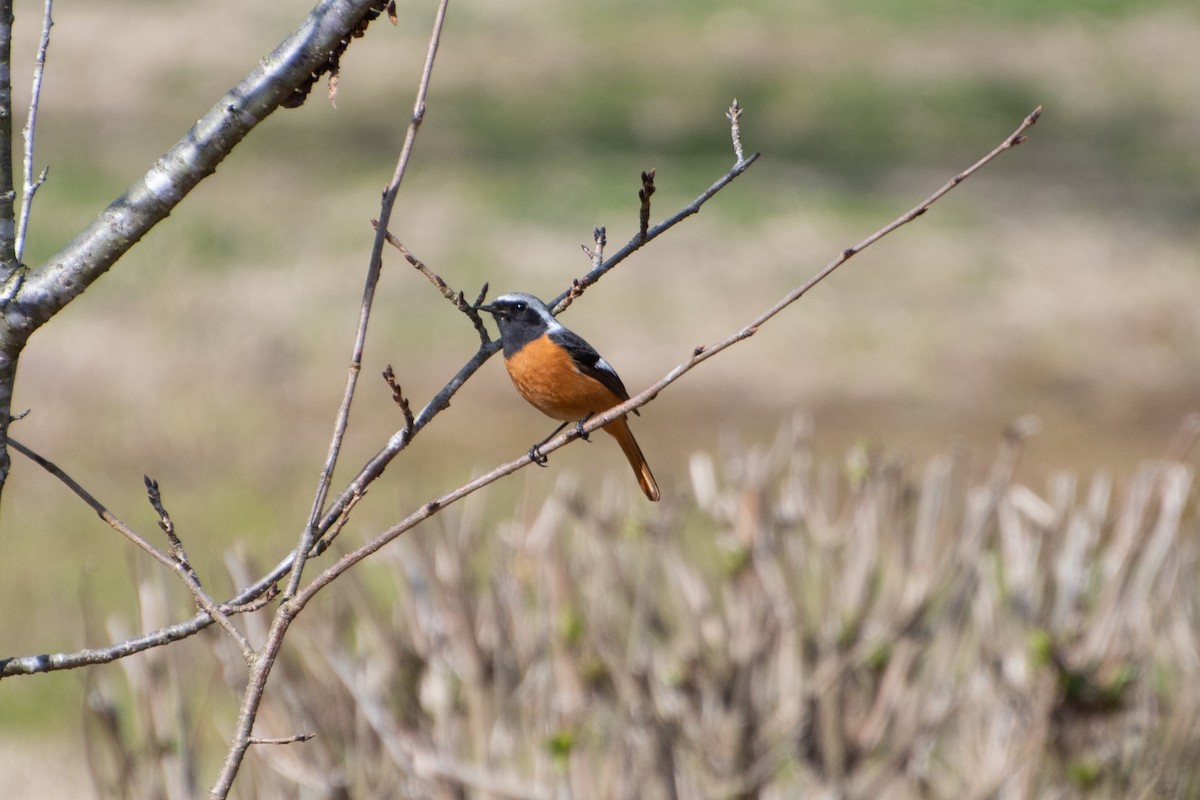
866	608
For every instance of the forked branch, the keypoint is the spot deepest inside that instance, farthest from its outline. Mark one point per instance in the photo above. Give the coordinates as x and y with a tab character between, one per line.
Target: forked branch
698	356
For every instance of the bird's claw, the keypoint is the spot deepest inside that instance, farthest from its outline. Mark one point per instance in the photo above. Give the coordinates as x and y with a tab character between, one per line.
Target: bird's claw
580	432
537	457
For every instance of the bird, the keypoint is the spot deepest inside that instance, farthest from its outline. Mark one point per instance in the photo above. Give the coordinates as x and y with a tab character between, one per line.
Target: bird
563	376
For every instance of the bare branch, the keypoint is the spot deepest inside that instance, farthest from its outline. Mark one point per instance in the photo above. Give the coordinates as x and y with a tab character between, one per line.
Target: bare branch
734	115
264	661
11	272
100	509
180	568
299	737
456	298
644	195
310	534
698	356
441	401
31	297
578	287
638	241
389	377
265	588
31	186
168	527
8	257
596	256
195	157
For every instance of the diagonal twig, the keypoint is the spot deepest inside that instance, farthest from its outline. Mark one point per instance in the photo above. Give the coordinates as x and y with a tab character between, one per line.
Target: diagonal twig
264	660
638	241
441	401
310	533
180	568
168	526
698	356
281	740
250	595
456	298
734	115
389	377
264	589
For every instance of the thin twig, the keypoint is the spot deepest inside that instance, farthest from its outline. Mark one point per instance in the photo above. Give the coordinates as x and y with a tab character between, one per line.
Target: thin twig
734	115
389	377
596	256
168	526
100	509
310	532
299	737
31	186
644	195
441	401
264	662
265	589
639	241
254	605
698	356
456	298
334	529
577	289
180	568
600	236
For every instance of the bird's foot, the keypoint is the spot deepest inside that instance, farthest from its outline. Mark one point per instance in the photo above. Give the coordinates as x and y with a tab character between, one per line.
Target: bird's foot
537	457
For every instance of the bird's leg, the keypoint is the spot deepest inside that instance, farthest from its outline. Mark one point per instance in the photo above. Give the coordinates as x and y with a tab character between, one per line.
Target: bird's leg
579	431
535	452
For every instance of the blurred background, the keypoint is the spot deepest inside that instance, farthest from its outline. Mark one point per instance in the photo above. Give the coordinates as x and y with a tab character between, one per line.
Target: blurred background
1063	281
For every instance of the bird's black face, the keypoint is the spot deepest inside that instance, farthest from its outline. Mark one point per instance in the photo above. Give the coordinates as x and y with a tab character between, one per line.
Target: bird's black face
505	309
521	319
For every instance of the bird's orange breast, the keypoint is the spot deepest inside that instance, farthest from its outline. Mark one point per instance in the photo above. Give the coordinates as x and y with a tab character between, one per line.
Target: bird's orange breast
545	375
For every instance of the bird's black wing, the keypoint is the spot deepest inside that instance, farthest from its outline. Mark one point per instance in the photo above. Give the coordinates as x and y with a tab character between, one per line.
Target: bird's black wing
589	361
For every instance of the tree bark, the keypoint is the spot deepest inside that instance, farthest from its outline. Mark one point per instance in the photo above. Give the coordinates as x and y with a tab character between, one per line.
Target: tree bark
29	298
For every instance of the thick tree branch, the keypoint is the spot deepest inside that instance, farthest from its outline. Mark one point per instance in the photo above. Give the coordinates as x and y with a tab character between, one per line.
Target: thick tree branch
8	255
29	298
69	272
9	268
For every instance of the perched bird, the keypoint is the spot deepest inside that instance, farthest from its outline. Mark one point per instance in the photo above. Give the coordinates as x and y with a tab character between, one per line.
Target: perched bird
561	375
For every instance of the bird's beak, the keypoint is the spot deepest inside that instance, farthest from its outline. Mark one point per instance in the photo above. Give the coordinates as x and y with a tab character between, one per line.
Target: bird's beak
495	312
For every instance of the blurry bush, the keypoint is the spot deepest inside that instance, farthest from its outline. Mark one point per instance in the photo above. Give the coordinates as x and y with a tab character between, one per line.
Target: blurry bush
856	631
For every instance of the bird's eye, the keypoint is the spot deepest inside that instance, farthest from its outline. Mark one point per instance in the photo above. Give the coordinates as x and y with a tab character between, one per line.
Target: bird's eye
520	305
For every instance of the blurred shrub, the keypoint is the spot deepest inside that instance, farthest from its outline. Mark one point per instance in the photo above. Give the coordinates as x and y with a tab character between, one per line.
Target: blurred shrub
787	629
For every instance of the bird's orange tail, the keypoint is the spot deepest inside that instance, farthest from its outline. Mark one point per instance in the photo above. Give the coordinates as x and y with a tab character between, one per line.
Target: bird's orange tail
619	430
